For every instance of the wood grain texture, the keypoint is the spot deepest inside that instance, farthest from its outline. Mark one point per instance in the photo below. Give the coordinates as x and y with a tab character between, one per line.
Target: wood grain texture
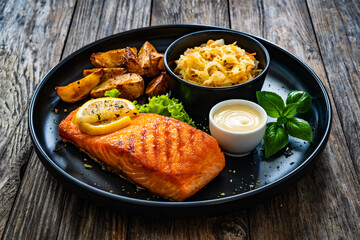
231	226
38	206
43	208
337	28
31	34
192	12
84	220
317	196
98	19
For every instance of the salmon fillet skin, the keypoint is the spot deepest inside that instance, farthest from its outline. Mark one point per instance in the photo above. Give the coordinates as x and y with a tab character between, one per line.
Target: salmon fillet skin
168	157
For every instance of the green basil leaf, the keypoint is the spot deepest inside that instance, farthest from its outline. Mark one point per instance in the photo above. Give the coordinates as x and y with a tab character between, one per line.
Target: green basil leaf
290	110
275	138
271	102
302	98
281	120
299	128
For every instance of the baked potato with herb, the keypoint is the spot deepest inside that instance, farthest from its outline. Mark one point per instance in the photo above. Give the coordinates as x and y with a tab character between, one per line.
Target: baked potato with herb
108	72
158	86
125	57
150	60
78	90
130	86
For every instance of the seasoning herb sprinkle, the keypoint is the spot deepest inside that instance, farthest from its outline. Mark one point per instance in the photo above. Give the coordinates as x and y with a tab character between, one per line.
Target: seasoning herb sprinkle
88	166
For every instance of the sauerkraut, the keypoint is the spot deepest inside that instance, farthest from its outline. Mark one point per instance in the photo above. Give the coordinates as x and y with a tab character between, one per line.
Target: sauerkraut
216	64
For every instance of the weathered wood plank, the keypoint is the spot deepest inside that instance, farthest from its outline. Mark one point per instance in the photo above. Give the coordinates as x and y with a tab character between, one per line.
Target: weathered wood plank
310	209
50	211
337	28
31	34
84	220
232	226
191	12
36	214
98	19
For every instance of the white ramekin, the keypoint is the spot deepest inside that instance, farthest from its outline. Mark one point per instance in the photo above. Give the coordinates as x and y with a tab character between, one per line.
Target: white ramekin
237	143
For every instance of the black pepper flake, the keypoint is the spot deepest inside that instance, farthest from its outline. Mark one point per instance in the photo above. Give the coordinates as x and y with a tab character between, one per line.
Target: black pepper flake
292	163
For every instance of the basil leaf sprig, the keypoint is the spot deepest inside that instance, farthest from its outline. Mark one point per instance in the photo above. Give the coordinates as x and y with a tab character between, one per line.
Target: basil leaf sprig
276	133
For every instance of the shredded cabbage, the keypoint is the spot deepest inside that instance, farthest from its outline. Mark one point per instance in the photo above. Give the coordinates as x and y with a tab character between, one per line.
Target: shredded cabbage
165	106
216	64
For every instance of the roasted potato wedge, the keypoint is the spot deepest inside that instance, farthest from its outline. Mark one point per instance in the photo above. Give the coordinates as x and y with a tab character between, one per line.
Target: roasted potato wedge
108	72
130	86
161	65
125	57
149	60
78	90
112	58
158	86
131	62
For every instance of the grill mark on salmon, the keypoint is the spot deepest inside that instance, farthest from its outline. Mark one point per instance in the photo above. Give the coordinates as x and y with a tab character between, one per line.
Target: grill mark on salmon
168	157
167	142
179	137
143	142
132	143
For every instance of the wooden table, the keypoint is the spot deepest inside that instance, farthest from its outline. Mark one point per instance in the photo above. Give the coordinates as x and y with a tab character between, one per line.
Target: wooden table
36	35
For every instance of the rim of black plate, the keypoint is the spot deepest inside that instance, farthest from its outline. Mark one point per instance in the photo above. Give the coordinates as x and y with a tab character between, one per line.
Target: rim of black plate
152	203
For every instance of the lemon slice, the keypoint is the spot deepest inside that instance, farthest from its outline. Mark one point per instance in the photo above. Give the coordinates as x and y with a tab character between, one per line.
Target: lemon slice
104	127
106	108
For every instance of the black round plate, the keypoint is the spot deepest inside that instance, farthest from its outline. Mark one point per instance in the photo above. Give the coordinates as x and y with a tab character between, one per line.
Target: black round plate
243	181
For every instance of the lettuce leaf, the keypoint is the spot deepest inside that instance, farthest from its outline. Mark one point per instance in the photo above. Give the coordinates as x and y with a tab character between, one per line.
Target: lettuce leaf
165	106
112	93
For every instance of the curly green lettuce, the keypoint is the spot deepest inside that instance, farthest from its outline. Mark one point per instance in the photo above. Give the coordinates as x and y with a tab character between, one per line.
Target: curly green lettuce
165	106
112	93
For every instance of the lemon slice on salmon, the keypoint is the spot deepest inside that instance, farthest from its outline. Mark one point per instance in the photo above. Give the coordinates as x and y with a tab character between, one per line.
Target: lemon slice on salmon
102	109
104	127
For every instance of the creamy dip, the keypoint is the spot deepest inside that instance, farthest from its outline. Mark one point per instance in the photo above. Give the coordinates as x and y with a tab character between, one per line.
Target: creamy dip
238	118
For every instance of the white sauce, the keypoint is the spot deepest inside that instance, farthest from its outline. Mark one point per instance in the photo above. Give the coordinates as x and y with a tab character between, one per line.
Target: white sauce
238	118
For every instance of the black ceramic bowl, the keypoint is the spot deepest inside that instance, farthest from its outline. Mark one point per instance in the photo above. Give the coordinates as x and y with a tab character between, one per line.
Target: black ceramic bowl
197	99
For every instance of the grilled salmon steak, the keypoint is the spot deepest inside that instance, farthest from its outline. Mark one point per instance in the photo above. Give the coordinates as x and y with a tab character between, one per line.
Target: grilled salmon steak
166	156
